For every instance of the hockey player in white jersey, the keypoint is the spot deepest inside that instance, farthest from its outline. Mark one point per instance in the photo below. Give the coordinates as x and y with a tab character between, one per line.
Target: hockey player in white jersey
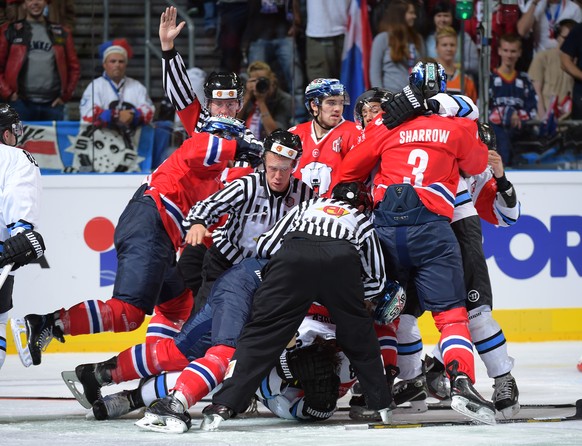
20	190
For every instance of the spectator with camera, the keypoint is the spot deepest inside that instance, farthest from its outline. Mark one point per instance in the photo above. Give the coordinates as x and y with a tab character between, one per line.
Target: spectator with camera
266	107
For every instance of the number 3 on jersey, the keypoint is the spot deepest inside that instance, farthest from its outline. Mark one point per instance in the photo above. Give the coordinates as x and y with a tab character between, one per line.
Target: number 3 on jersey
418	158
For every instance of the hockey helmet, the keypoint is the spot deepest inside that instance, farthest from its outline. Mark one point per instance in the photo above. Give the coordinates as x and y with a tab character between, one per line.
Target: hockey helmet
223	85
225	127
374	94
429	77
283	143
355	193
322	88
389	304
9	120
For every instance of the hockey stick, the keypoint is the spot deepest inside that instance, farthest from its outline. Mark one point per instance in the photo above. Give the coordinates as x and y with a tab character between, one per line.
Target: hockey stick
447	406
576	417
5	271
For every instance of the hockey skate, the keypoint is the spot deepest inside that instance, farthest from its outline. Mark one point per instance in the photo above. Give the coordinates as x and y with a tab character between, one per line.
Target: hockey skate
505	396
413	391
116	405
467	401
359	410
167	415
91	377
437	384
214	414
40	330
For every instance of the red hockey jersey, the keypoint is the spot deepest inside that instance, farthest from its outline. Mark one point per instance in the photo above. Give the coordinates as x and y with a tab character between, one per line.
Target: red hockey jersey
426	152
319	163
190	174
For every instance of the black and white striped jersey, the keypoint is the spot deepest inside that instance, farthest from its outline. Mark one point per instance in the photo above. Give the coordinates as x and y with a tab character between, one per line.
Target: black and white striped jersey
252	209
327	217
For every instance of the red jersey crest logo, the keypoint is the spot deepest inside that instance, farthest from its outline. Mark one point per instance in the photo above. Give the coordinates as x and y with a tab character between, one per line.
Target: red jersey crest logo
336	211
337	145
315	153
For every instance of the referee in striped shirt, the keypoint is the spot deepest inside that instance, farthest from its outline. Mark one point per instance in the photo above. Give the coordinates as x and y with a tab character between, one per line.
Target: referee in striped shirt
329	253
254	203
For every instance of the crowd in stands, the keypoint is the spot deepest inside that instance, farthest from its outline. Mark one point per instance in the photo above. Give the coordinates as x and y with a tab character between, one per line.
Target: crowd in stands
279	46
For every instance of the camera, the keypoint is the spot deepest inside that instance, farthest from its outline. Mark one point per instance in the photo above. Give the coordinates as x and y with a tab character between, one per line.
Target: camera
263	85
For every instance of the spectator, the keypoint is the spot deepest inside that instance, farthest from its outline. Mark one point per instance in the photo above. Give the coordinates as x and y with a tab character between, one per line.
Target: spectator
39	68
551	82
396	48
499	25
327	24
115	100
270	36
446	48
57	11
232	18
541	19
443	16
208	12
266	107
512	97
571	62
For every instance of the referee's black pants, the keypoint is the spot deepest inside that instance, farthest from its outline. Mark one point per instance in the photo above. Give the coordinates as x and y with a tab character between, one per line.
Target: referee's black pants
302	271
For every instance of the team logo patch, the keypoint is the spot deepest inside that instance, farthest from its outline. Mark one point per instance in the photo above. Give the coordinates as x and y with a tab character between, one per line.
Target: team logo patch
337	145
290	202
473	296
335	211
230	369
223	94
315	153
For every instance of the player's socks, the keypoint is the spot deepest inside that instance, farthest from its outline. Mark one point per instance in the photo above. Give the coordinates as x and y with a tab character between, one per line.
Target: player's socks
95	316
160	327
147	359
455	342
202	375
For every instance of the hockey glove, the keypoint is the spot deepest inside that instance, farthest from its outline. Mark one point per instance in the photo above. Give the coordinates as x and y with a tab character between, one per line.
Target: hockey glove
487	135
249	151
22	249
321	396
315	361
405	105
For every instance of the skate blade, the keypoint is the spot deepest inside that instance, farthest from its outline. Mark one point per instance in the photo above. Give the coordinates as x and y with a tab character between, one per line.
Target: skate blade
511	411
18	326
168	425
71	380
211	422
413	407
482	414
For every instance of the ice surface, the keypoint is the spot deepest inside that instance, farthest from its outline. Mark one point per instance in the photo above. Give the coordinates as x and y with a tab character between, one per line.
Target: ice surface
35	408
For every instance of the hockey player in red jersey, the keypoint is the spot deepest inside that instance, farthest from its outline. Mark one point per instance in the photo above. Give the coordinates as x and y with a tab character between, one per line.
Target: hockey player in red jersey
146	238
327	137
414	193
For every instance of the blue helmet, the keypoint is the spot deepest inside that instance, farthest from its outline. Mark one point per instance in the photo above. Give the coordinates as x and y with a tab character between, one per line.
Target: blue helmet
429	77
226	127
390	303
322	88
